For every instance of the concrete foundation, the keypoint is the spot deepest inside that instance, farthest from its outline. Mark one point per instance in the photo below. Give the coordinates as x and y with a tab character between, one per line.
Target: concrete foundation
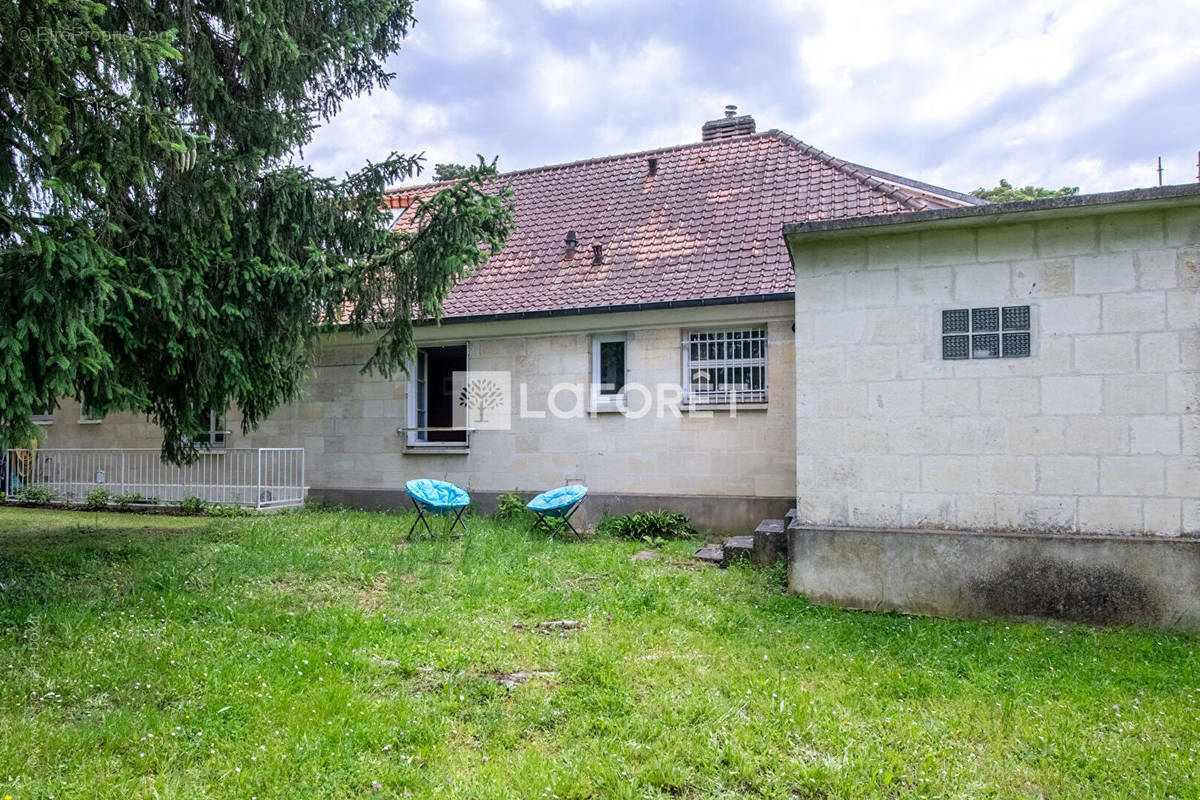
707	512
1102	580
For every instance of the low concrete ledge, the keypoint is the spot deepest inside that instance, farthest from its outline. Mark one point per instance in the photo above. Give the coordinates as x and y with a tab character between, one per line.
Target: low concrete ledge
1100	580
725	513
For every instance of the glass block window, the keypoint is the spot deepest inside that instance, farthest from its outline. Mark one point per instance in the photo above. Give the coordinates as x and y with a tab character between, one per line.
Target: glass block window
726	366
1016	345
988	332
956	321
956	347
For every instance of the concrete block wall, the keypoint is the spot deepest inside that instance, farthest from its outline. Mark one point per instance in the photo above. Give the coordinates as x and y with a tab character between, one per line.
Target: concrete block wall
1097	432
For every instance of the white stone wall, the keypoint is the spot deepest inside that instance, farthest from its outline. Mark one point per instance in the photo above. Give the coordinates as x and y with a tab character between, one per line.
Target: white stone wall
1096	432
347	422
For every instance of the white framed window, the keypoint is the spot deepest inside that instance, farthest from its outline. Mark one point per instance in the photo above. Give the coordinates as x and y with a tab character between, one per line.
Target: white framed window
84	419
610	368
431	398
43	418
728	366
217	435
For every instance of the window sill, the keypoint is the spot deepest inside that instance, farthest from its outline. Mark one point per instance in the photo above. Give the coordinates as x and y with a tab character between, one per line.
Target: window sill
436	450
42	421
739	407
90	421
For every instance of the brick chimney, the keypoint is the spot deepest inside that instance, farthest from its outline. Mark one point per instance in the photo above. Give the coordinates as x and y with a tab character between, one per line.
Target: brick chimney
730	125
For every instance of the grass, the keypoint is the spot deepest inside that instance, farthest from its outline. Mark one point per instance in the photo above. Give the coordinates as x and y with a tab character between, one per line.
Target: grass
310	655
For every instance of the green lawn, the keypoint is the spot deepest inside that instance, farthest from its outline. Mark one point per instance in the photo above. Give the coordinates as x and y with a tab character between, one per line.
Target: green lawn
315	655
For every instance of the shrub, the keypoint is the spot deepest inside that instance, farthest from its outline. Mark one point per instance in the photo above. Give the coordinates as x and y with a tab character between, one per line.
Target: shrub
647	526
124	501
34	495
511	507
97	498
193	504
218	510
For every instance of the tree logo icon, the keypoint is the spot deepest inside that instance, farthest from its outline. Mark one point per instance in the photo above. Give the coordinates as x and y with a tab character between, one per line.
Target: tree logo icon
482	400
482	395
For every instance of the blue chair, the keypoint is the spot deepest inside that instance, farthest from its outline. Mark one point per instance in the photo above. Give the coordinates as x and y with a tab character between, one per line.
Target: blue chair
558	504
440	498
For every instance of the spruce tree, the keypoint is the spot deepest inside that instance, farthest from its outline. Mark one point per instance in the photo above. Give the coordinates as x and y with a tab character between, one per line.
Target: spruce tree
162	249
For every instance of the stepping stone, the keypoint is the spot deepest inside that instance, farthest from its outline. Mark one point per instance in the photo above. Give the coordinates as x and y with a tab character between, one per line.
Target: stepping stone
644	555
713	553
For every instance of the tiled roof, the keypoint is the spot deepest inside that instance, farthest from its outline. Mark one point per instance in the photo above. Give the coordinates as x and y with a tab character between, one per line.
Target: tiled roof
706	225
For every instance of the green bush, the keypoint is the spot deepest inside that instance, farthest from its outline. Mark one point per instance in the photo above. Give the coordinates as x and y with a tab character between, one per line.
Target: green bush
97	498
34	495
218	510
124	501
511	507
647	526
193	504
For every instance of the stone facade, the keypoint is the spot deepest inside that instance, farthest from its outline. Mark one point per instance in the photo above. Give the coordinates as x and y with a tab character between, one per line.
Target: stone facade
1096	432
347	422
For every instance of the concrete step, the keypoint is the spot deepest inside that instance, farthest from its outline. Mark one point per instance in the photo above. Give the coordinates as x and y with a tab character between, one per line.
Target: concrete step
738	547
770	541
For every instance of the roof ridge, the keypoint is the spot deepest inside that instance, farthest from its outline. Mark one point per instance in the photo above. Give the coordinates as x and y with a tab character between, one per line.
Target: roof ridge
851	170
595	160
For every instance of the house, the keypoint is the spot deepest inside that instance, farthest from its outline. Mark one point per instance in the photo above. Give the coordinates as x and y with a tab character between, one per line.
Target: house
975	409
996	409
635	334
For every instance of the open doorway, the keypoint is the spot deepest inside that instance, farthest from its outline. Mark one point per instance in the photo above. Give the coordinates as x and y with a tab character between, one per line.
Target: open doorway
431	395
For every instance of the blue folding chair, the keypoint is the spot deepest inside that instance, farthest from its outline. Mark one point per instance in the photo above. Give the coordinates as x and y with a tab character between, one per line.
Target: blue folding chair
437	497
558	504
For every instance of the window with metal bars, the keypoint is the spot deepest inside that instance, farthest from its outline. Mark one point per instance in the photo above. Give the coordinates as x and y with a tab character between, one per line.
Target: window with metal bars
990	332
725	366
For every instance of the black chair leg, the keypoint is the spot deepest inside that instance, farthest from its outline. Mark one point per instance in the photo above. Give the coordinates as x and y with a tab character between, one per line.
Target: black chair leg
458	521
420	518
570	513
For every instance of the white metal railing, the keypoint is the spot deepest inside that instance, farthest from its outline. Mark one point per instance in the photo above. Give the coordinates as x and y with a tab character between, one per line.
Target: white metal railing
266	477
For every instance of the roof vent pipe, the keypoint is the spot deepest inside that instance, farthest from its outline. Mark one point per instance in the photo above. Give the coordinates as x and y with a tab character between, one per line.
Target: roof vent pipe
730	111
572	241
597	254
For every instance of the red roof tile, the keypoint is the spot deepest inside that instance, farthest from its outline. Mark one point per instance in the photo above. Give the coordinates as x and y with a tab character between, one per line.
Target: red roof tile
707	225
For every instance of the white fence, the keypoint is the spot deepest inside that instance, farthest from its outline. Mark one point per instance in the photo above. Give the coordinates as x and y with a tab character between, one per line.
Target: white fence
268	477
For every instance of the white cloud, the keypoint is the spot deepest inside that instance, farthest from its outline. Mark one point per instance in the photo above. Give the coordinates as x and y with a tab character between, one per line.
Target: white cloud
1044	91
1066	71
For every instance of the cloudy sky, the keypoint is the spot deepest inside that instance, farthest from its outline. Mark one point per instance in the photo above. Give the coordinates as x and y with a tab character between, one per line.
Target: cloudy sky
955	92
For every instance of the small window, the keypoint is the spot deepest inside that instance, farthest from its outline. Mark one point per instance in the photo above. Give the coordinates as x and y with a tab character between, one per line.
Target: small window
84	418
609	369
728	366
45	417
989	332
217	435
